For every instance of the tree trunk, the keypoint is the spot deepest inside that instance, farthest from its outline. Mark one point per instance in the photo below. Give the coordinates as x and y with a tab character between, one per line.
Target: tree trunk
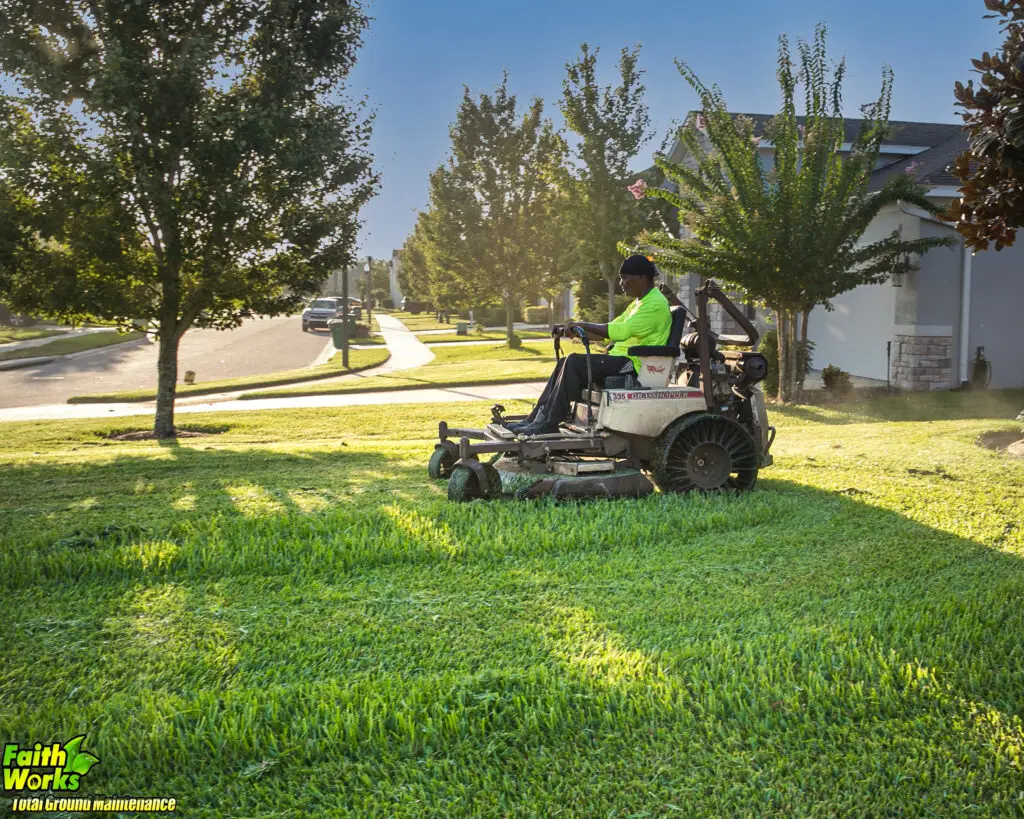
166	380
603	265
509	329
785	387
801	372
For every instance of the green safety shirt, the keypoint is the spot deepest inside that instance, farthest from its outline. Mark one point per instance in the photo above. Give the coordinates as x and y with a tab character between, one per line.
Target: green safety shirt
645	323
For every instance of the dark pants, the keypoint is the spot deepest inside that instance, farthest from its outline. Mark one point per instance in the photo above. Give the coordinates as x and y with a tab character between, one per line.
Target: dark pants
567	382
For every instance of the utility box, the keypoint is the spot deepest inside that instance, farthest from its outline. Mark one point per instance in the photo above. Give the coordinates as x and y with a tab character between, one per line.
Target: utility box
462	328
338	332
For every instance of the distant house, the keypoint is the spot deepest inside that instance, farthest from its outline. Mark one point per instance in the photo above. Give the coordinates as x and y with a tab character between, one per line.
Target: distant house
394	268
924	330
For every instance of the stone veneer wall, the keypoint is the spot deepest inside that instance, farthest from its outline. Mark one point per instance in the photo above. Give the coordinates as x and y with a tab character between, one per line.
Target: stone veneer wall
922	362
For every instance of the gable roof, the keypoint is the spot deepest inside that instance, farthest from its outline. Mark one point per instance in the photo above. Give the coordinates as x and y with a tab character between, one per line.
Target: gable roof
932	167
936	145
919	134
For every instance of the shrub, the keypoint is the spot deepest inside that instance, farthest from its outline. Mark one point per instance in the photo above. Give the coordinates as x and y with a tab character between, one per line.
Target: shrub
537	314
836	380
389	304
1020	418
495	317
769	348
515	342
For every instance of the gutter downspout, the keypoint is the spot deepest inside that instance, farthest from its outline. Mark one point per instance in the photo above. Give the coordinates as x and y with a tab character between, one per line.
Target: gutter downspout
965	313
965	289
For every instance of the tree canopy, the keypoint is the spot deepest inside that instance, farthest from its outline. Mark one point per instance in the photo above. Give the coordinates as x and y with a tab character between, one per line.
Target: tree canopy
612	125
489	199
189	164
992	168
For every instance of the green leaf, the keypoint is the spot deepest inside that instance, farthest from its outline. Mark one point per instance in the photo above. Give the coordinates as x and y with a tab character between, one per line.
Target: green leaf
83	762
71	749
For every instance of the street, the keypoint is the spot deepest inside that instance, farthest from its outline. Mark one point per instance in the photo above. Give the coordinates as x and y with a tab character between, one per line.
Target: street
258	346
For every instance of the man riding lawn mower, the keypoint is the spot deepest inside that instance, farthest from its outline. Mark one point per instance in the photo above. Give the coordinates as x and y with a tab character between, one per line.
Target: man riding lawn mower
685	413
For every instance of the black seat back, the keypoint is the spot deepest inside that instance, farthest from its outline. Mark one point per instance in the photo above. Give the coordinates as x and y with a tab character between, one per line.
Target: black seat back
675	333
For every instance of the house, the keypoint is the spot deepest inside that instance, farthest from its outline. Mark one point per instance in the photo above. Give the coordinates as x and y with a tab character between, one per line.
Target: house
926	329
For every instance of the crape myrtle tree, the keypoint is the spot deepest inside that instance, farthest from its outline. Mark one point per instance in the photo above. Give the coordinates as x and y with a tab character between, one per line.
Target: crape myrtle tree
992	168
490	196
788	236
188	163
612	125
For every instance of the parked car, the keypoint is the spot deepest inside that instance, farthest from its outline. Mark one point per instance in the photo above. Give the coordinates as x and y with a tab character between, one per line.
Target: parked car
325	309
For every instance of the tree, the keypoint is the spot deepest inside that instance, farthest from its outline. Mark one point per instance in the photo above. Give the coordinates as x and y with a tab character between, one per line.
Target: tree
612	125
489	197
992	168
789	236
412	273
186	164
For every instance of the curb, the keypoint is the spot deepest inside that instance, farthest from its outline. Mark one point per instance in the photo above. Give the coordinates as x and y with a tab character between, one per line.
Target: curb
20	363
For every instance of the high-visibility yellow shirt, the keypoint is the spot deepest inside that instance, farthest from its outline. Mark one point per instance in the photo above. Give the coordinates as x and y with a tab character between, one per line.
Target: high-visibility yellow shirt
645	323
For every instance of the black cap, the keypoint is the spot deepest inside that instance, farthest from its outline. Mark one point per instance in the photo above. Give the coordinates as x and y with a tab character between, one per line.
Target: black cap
637	265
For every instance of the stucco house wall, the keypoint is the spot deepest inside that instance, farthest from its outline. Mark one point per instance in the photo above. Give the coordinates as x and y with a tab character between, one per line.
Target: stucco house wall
997	312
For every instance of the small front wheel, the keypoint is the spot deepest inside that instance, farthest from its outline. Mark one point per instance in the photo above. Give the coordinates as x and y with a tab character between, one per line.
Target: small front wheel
440	463
463	484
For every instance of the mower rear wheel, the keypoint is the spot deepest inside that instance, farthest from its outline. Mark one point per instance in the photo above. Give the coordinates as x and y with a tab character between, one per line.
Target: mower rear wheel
440	463
463	484
704	452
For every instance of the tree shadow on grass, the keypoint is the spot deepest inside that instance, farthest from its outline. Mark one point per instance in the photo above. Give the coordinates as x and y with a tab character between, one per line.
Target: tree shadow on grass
136	509
785	651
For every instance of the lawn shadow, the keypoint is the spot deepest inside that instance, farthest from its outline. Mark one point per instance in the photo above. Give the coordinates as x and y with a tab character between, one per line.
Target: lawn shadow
136	509
1001	405
731	657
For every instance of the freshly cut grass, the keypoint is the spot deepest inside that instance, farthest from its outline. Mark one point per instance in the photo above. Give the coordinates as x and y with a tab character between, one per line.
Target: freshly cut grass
358	360
287	617
422	321
73	344
12	334
452	366
491	335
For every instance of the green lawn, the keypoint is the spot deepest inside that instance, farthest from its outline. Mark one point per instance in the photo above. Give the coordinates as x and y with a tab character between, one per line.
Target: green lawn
288	618
424	321
493	335
72	344
452	366
11	334
357	359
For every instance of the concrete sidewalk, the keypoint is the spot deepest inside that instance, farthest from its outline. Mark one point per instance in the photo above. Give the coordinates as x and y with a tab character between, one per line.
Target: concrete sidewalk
496	392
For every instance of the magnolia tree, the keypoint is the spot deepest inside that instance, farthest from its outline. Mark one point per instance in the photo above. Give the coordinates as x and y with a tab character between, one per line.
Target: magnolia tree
991	208
186	164
789	236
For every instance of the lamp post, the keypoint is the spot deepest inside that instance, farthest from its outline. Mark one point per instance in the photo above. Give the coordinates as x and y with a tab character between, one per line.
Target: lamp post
344	318
368	269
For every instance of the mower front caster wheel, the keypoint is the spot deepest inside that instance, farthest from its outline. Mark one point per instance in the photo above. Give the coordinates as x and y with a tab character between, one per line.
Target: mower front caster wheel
463	484
440	463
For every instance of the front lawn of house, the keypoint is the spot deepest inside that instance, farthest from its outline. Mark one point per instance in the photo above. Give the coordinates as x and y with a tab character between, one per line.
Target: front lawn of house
285	616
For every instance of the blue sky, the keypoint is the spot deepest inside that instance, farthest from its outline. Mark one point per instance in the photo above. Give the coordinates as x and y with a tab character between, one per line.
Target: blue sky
418	54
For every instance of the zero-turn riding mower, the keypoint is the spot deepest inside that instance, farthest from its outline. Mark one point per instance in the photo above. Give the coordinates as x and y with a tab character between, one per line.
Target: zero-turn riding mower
692	419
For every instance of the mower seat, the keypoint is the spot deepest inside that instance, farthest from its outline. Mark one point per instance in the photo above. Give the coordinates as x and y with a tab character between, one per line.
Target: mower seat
656	362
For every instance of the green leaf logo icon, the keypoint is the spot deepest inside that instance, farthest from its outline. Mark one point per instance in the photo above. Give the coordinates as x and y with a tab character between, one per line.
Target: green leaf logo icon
78	762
